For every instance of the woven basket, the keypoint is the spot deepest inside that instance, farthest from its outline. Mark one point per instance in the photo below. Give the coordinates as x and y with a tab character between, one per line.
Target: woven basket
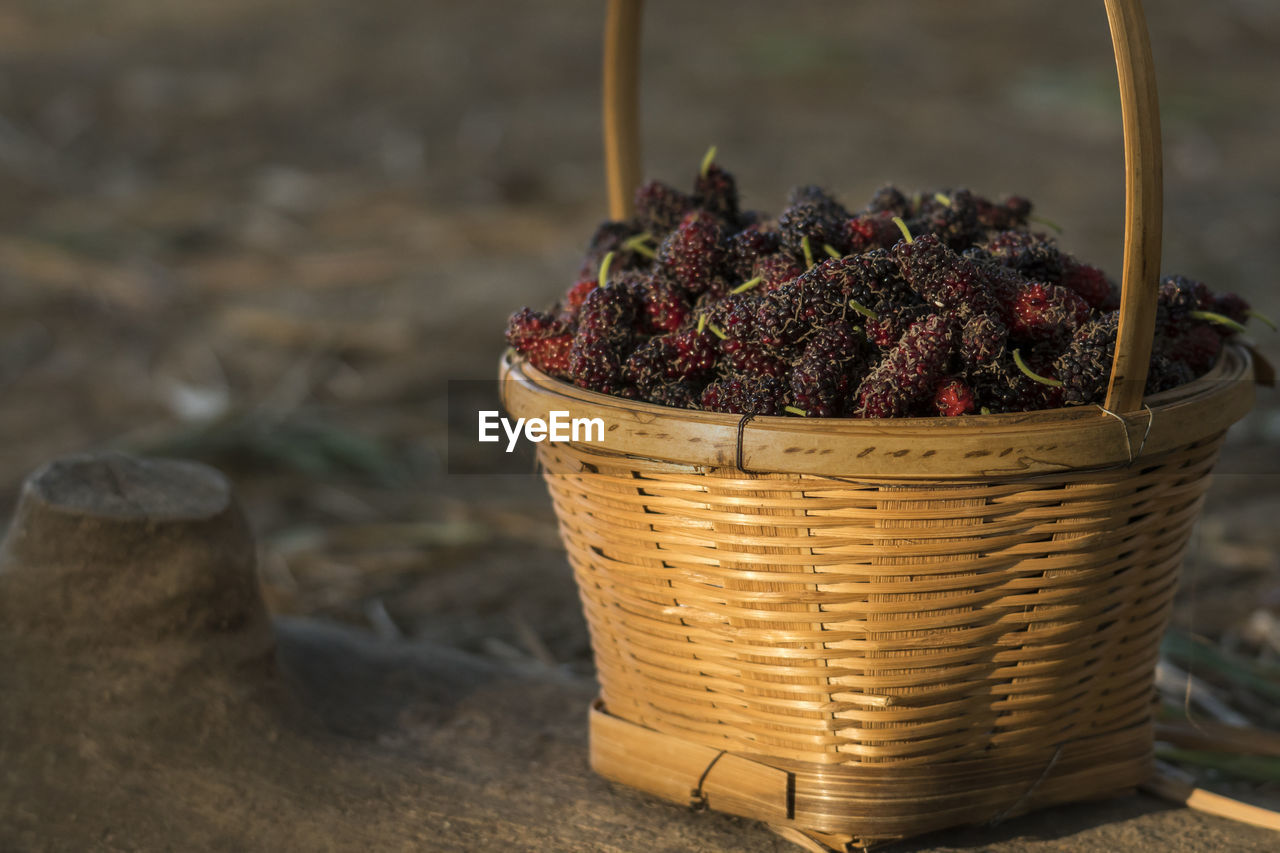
863	630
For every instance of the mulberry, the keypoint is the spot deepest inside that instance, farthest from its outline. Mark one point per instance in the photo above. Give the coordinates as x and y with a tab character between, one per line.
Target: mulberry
753	359
908	373
1090	282
951	217
693	253
776	270
1002	386
663	306
1085	366
821	379
745	395
1034	256
660	207
953	397
716	190
1013	212
889	199
943	278
814	215
749	245
544	340
1037	312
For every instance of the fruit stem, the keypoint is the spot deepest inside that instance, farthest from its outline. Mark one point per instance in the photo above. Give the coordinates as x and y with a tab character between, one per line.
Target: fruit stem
902	226
808	252
707	160
942	198
1032	375
984	411
636	243
831	250
795	411
1263	317
1049	222
863	310
603	278
715	330
702	322
1220	319
747	285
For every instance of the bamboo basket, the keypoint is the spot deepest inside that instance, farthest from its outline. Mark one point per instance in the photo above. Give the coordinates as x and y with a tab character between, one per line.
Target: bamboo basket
860	630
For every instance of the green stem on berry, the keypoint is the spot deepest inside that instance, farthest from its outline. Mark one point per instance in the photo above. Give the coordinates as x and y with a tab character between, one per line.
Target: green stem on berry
747	285
863	310
603	278
707	160
1263	317
984	411
702	322
715	330
636	243
1049	222
831	250
808	252
1220	319
942	198
1031	374
795	411
902	226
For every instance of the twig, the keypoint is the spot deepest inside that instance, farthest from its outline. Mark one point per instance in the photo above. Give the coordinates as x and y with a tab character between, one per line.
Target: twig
1170	784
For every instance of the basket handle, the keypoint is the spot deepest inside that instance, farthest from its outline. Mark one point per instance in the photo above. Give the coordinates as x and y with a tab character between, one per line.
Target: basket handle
1143	161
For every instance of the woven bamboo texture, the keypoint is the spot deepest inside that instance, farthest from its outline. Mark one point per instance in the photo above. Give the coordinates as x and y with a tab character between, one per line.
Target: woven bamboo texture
862	630
846	632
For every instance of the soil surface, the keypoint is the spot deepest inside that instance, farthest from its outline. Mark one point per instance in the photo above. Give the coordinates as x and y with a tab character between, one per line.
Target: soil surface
269	234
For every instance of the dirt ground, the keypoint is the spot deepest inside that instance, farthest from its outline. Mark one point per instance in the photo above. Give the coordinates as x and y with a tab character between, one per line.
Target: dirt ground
268	234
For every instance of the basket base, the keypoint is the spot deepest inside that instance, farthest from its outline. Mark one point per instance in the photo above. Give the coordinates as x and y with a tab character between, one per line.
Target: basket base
842	806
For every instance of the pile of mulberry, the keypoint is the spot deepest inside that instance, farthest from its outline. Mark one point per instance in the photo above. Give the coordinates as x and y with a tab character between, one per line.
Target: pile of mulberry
934	304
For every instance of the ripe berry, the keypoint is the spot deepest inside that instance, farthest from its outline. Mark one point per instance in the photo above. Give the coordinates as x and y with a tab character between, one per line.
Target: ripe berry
747	246
745	395
908	373
715	190
815	215
1090	282
660	207
953	397
693	254
663	306
1036	311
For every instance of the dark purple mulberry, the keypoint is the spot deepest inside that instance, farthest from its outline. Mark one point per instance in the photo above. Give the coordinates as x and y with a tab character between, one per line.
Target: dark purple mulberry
692	254
908	374
746	395
950	216
889	199
747	246
660	207
716	190
943	278
822	378
678	394
1034	256
1000	386
776	269
814	215
1013	212
1085	366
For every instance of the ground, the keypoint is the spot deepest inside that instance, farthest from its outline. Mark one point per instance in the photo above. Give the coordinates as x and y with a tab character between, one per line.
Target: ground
268	234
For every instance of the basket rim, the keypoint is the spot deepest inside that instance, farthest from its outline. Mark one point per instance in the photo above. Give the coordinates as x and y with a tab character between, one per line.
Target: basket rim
969	447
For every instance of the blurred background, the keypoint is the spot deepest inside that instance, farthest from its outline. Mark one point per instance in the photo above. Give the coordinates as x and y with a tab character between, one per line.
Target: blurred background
266	233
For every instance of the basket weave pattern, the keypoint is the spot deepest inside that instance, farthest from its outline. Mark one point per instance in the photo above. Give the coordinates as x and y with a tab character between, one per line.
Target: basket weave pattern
858	623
